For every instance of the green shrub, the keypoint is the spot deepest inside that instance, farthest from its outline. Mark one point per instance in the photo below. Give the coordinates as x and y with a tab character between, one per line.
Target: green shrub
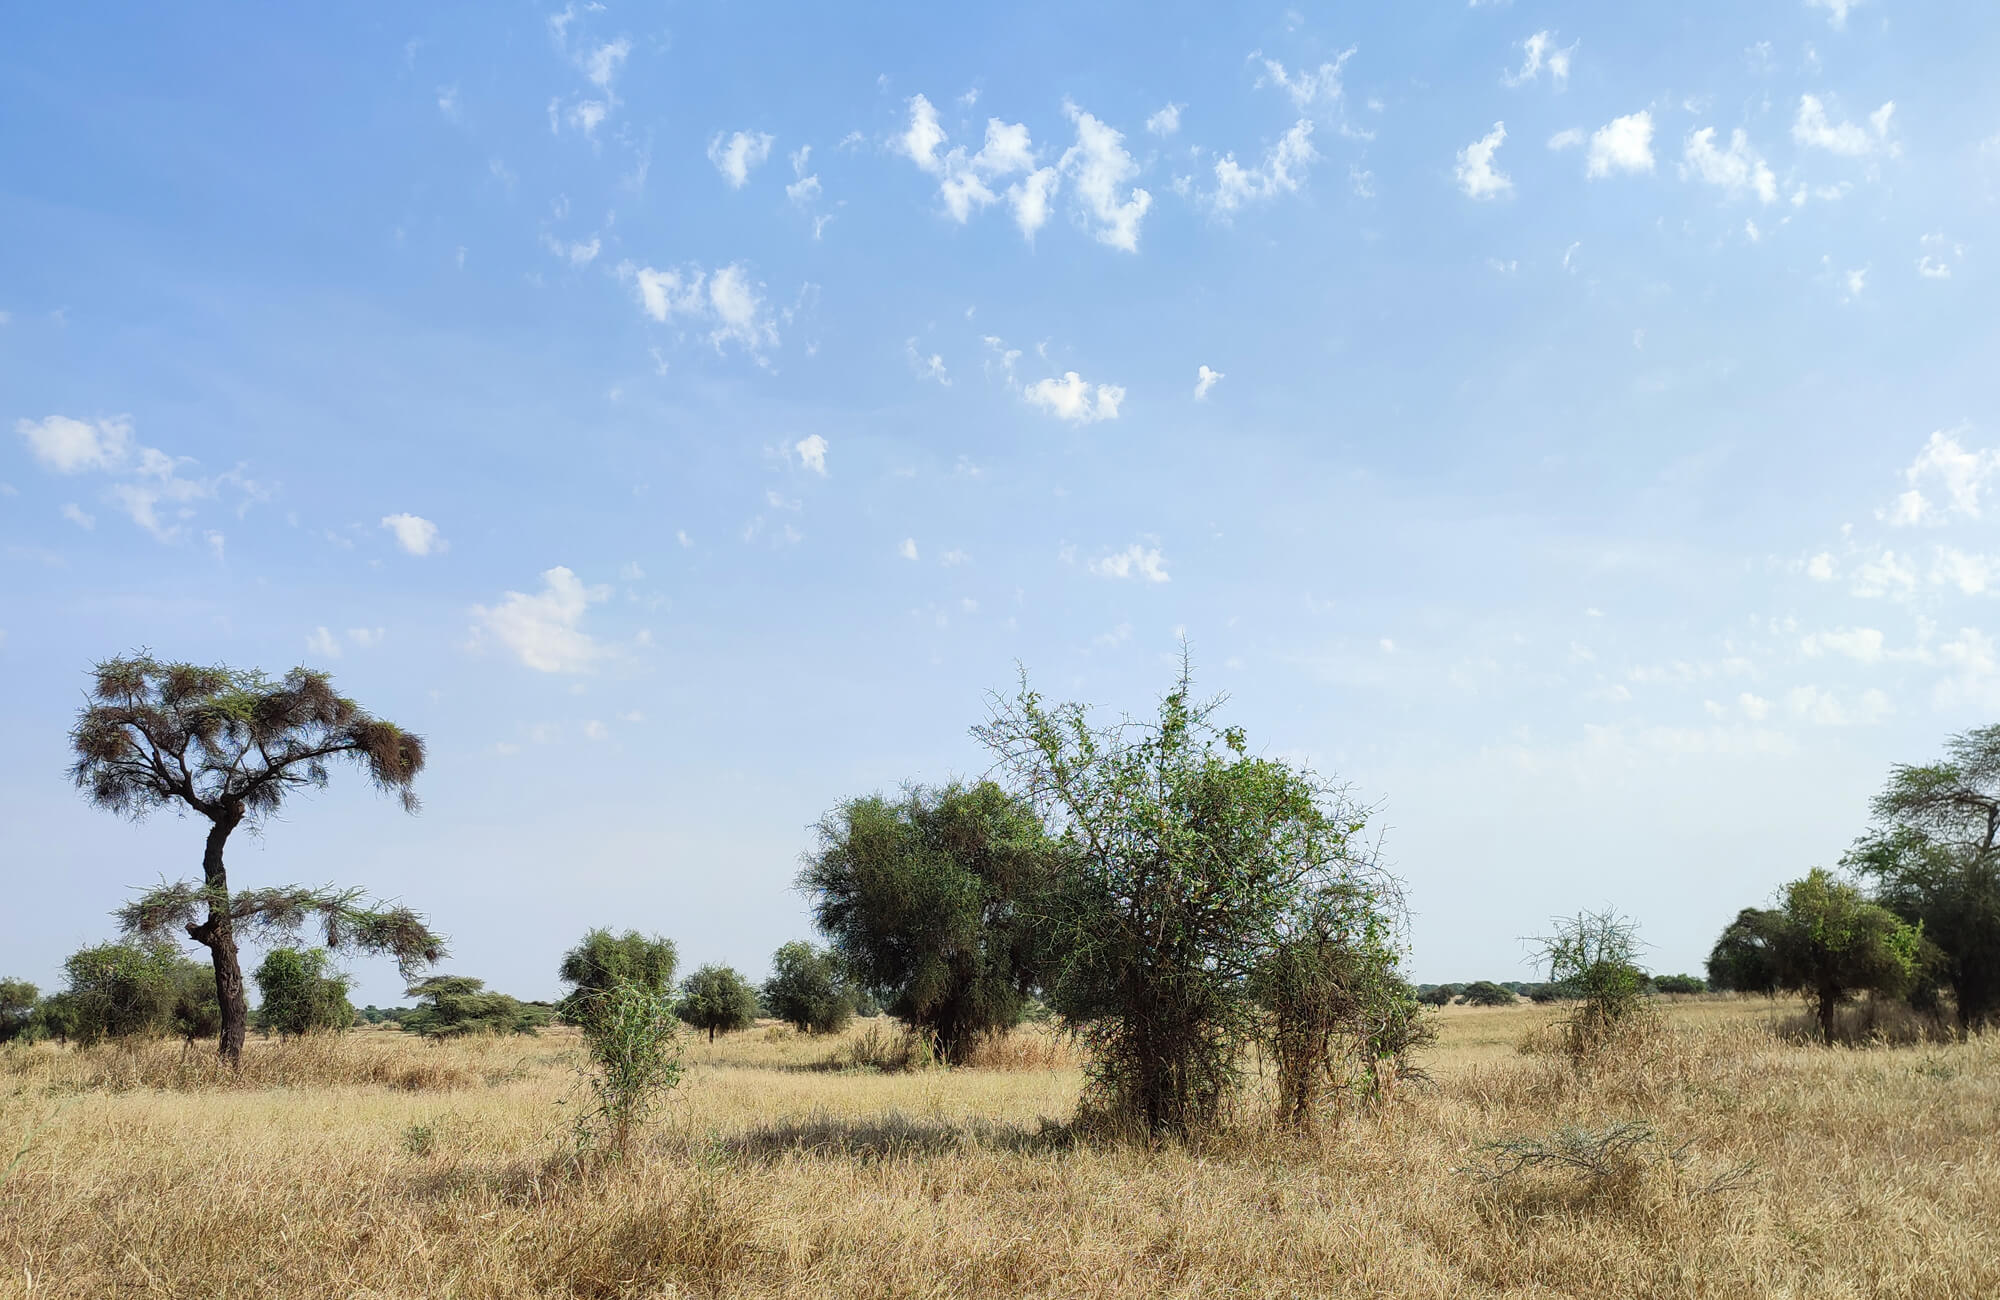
717	999
808	989
634	1050
1485	993
299	996
603	959
452	1005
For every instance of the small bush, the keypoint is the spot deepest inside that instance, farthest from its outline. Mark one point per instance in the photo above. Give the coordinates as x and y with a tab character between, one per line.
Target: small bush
1611	1163
298	996
1679	984
633	1043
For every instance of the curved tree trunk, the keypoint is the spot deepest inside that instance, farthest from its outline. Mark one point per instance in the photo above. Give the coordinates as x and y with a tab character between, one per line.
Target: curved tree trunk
218	934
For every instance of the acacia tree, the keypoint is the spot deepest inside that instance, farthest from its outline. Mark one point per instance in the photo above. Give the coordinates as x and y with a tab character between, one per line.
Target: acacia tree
932	899
602	960
1187	858
232	745
1934	856
1828	943
809	989
1742	960
1594	958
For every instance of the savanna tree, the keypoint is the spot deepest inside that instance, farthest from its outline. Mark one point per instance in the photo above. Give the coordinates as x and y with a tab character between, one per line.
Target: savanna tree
1828	943
1485	993
717	999
1934	858
1593	957
808	989
232	745
453	1006
932	899
1742	960
297	994
601	960
17	1008
125	990
1186	857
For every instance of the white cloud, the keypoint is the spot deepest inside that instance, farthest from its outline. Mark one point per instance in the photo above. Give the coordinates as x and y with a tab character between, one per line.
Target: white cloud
1477	177
953	558
1100	169
1889	575
601	64
1836	10
1755	707
1823	708
1737	170
727	302
1569	138
71	446
447	100
919	143
927	367
542	630
1861	644
1280	173
415	534
1071	399
738	154
1972	574
812	453
1820	567
1135	561
1812	129
908	549
595	730
1624	144
1540	51
1308	86
1205	379
1030	199
1166	121
1977	679
323	643
1945	465
77	515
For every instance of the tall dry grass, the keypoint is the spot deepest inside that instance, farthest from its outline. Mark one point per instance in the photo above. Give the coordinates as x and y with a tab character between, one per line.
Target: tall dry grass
1872	1171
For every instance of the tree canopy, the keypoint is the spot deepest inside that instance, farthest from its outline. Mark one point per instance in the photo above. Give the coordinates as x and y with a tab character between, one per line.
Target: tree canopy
601	960
232	745
933	900
1828	943
808	989
717	999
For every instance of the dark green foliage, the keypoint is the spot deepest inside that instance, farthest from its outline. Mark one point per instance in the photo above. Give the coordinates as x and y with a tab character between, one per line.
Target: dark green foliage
602	959
808	989
453	1005
1187	858
1934	858
383	1015
119	990
1742	960
232	745
1540	994
1679	984
299	995
1485	993
932	898
717	999
1593	958
1438	995
1339	1015
17	1008
1829	943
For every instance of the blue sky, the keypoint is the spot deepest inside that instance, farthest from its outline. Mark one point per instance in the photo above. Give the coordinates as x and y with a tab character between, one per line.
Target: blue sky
1573	428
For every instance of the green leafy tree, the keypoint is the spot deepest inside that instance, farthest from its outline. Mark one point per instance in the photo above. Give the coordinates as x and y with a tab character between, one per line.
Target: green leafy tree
1742	960
299	994
634	1050
17	1008
1934	859
602	959
1185	858
1485	993
1680	984
1828	943
717	999
1593	957
1438	995
121	990
932	898
231	746
1336	1005
451	1006
808	989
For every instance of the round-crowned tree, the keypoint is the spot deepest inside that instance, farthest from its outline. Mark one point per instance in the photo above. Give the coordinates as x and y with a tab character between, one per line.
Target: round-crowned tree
808	989
932	899
718	999
300	995
601	960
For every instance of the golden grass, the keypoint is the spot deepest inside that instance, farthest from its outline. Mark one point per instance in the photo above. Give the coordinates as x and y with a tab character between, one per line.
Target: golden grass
383	1167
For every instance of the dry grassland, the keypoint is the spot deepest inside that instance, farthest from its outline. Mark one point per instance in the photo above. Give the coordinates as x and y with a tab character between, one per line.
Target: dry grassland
377	1166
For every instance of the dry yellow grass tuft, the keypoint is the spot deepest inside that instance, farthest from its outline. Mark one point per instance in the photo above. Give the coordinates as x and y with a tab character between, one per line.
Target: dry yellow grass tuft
381	1167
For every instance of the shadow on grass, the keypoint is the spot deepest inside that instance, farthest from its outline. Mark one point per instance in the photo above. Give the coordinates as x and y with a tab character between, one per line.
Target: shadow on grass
892	1136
